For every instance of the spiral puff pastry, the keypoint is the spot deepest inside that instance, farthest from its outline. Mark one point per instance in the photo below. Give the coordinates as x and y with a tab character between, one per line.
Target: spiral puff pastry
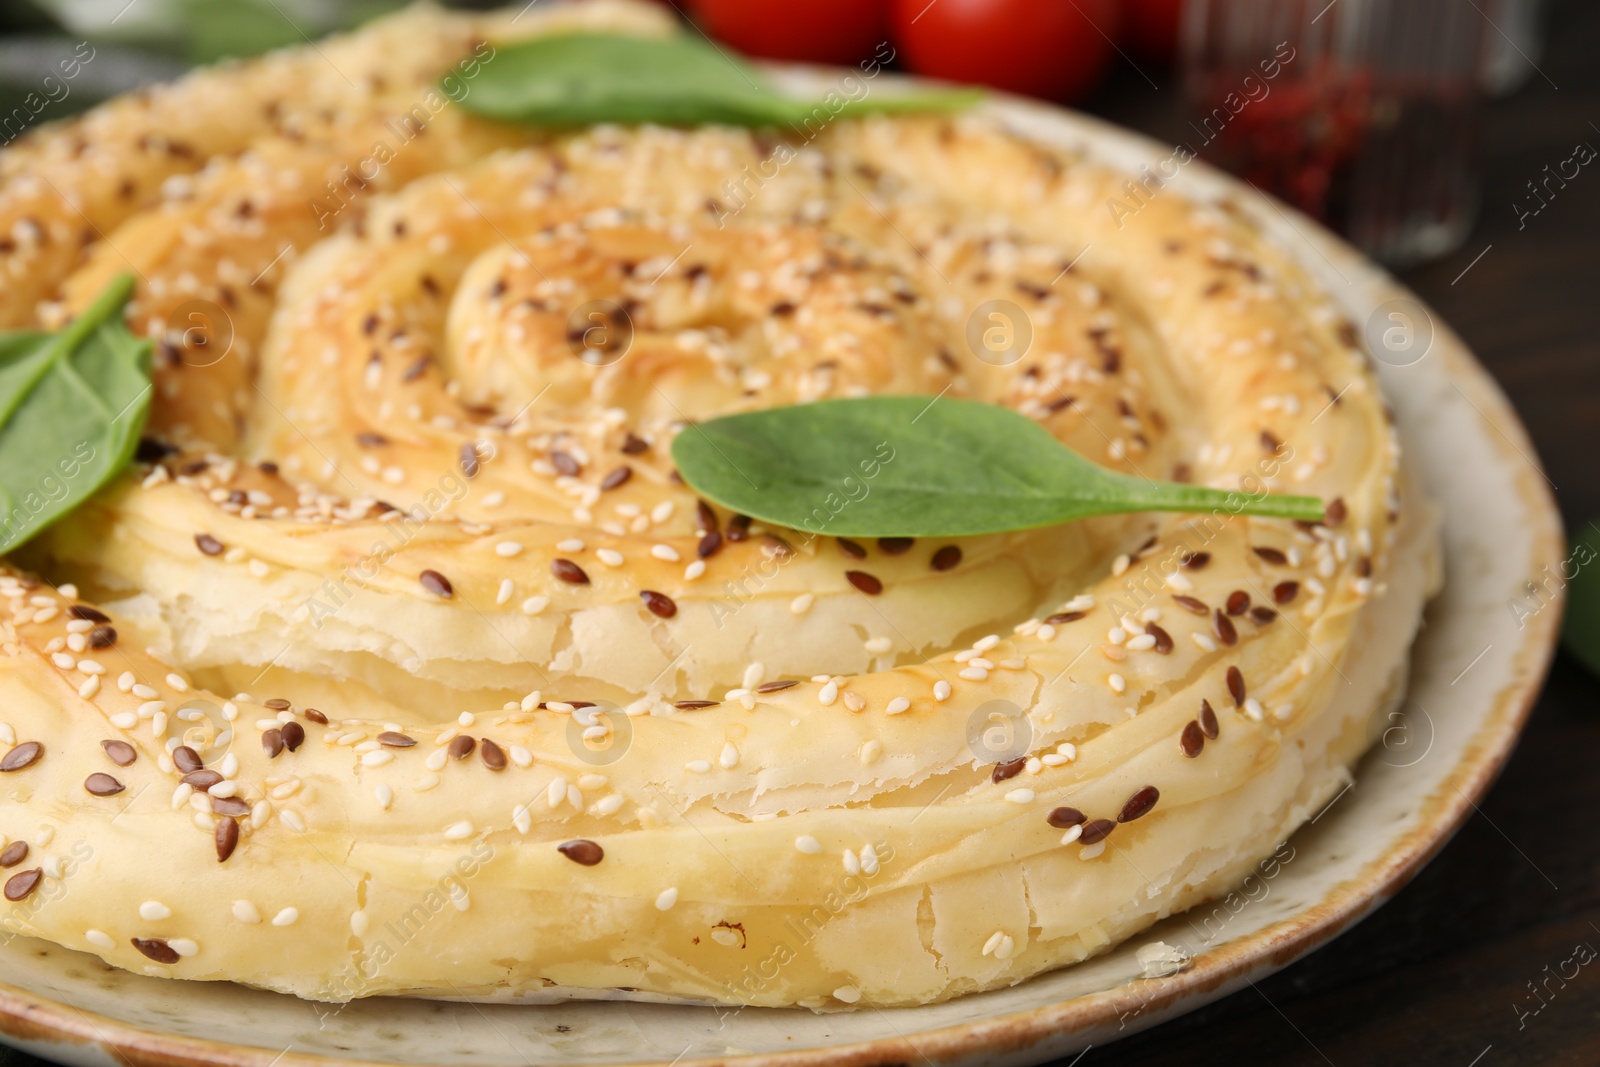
403	663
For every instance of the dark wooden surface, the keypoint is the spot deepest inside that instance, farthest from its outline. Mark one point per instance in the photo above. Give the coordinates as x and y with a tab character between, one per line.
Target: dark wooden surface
1440	974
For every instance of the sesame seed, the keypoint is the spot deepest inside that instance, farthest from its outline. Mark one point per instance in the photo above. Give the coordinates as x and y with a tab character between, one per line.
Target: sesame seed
507	549
609	556
941	690
154	911
1117	683
667	898
1020	796
665	553
897	706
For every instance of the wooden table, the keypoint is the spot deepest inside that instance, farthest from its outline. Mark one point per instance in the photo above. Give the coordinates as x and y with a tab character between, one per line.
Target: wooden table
1440	975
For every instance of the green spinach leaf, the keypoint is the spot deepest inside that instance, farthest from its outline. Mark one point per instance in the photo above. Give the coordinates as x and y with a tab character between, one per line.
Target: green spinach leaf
72	405
915	466
578	79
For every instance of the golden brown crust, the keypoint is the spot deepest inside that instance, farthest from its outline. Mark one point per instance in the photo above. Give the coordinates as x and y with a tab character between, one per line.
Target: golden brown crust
412	499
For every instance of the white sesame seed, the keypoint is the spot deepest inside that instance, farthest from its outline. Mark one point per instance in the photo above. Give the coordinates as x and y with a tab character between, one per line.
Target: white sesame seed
520	756
730	757
1179	581
99	939
1117	683
1252	709
1203	641
1142	643
609	556
941	690
571	544
665	552
376	759
459	831
1020	796
535	604
854	701
897	706
62	660
802	603
993	943
698	766
808	844
507	549
667	898
154	911
183	946
828	694
694	570
384	794
359	923
1120	564
177	682
871	751
852	865
507	588
90	686
973	674
1116	635
286	917
609	804
848	994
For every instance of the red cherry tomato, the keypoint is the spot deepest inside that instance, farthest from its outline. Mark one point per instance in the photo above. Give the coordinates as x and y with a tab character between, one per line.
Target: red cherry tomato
1056	49
814	31
1150	28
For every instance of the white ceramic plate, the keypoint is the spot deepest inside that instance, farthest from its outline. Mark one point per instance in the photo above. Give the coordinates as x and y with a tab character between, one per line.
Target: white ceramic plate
1475	677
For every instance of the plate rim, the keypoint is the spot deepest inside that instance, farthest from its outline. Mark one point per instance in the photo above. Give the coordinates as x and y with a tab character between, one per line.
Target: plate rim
37	1021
